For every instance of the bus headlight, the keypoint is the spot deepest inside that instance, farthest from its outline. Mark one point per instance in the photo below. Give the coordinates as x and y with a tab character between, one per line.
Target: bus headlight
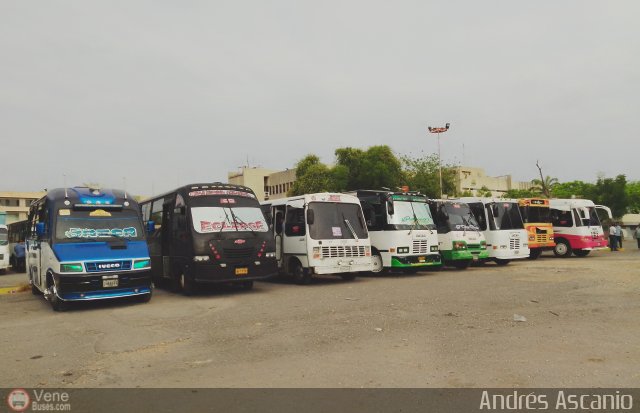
75	267
270	254
201	258
403	250
434	248
532	238
459	245
316	253
140	264
483	245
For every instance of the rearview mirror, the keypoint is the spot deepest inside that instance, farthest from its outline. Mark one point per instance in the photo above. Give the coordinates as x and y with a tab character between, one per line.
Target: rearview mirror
40	229
310	216
390	209
151	226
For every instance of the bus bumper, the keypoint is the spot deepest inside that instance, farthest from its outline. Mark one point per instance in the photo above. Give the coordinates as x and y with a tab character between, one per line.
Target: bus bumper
91	287
248	271
413	261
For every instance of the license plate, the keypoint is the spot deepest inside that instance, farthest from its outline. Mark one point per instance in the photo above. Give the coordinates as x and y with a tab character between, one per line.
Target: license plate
242	271
109	283
475	258
421	259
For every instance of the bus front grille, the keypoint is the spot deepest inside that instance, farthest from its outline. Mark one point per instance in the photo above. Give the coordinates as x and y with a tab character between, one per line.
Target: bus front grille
542	238
473	246
108	266
514	243
343	251
237	253
420	247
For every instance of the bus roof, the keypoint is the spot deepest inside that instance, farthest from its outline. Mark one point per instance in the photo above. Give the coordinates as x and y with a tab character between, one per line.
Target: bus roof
88	196
487	200
210	186
318	197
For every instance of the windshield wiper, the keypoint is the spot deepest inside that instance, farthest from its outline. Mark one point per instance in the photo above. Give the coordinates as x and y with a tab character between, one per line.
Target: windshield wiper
353	232
236	220
226	216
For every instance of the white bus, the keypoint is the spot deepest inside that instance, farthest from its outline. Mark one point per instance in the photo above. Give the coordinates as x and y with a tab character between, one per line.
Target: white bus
403	234
501	223
322	233
4	248
576	227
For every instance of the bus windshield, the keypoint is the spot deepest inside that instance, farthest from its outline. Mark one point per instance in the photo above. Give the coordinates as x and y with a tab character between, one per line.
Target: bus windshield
336	221
4	236
98	225
593	220
208	220
414	215
459	217
532	214
507	216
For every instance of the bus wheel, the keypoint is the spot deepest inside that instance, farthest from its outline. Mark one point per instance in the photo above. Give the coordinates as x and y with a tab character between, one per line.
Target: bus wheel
461	264
535	253
187	283
300	275
502	262
581	253
56	303
376	260
562	249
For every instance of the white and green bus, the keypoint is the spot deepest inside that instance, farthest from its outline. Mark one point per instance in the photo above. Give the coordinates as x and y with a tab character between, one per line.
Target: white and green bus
459	238
403	234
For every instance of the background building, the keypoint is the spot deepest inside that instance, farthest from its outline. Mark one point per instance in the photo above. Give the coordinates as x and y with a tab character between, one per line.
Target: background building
476	180
16	204
266	183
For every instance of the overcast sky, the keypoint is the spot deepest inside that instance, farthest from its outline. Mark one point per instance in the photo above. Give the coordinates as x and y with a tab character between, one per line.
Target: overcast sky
175	92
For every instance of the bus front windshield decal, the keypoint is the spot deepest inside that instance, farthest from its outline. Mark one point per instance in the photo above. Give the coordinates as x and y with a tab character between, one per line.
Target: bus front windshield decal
221	226
129	232
208	220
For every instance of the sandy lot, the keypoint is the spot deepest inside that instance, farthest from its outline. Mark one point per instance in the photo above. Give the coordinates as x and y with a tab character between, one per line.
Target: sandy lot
436	329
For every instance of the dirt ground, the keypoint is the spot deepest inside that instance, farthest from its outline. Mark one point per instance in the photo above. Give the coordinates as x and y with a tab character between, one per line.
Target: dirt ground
449	328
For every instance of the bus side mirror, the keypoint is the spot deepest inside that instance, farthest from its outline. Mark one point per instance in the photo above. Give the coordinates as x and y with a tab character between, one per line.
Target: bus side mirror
310	216
390	209
40	229
151	226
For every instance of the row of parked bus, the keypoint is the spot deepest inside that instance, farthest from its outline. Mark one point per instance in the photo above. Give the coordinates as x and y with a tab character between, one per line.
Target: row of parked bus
88	243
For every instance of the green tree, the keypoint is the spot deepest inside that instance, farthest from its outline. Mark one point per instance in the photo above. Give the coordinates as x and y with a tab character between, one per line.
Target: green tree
312	176
374	168
633	194
577	189
544	187
484	192
422	174
612	193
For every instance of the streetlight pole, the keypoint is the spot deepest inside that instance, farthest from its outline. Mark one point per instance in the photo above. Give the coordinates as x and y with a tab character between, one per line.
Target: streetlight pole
438	131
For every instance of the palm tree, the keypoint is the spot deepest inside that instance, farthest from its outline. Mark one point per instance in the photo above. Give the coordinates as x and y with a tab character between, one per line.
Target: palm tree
544	187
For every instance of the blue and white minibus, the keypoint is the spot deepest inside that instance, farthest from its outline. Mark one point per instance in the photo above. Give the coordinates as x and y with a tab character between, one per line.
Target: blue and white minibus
87	244
4	248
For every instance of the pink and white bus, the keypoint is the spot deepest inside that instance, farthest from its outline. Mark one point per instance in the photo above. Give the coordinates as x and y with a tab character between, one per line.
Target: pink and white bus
576	227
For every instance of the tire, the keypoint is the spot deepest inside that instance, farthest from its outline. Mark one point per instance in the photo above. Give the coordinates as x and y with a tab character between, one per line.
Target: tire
461	264
581	253
376	259
300	275
502	262
145	298
562	249
187	283
348	277
535	253
56	303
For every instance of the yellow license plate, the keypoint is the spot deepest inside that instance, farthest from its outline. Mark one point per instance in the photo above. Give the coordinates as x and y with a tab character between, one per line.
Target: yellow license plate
421	259
109	283
242	271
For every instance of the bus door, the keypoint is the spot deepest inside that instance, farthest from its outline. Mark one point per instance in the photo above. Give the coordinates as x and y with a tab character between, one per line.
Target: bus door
38	222
166	237
278	232
295	229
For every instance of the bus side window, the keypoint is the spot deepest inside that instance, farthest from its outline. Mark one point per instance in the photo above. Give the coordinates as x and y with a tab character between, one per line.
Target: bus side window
156	213
43	216
294	222
146	212
561	218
